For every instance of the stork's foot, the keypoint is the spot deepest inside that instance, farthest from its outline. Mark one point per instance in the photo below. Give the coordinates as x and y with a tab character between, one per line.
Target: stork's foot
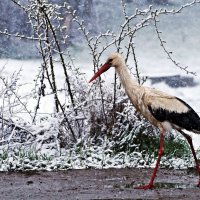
145	187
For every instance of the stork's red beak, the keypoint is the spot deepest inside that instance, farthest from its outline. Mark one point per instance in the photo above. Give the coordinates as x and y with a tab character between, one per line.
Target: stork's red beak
103	69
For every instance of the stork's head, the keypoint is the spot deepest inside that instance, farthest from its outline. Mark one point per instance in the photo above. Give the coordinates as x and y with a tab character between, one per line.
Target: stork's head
114	60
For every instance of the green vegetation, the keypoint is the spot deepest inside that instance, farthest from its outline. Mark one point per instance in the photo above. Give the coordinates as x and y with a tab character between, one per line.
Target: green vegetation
146	141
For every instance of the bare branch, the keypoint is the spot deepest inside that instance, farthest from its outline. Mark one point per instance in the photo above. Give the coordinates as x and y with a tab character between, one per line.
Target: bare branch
169	53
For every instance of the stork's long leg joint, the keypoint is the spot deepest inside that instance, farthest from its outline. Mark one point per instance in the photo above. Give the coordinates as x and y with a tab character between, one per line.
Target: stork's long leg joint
189	139
160	153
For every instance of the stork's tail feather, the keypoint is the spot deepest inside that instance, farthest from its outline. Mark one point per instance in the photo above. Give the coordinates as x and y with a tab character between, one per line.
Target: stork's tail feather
192	123
196	130
196	126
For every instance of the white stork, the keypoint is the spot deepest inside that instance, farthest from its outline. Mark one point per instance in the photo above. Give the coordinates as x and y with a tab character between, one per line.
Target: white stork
162	110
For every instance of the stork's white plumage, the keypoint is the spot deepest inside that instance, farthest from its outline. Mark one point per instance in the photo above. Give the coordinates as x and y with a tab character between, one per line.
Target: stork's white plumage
162	110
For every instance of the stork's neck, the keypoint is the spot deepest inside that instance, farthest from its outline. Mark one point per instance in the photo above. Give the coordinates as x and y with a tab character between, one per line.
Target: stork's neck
132	88
125	76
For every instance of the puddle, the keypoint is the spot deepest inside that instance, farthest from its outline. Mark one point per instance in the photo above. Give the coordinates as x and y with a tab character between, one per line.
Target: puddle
192	171
164	185
129	185
161	185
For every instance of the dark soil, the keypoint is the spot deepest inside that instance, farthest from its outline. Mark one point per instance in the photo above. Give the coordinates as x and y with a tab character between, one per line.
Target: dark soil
98	184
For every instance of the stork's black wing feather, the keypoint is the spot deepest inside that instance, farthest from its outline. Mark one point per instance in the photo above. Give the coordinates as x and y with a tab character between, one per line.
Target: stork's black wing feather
187	120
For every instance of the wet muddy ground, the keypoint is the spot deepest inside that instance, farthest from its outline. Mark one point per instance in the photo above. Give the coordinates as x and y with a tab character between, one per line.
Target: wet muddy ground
98	184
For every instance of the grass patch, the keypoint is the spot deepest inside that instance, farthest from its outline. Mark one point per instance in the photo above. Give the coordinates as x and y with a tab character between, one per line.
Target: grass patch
146	141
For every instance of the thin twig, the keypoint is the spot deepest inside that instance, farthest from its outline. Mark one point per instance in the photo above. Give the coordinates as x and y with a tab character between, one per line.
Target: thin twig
169	53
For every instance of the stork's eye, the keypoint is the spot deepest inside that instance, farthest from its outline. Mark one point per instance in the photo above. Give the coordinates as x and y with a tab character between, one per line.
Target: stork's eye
110	60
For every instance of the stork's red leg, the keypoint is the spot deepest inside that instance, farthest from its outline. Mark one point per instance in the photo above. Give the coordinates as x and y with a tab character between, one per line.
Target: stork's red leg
189	139
160	153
